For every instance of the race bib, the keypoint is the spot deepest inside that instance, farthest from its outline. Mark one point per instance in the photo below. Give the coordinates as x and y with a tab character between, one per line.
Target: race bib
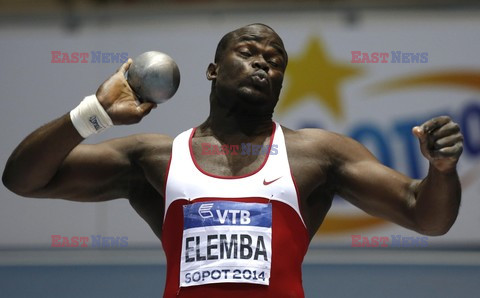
226	242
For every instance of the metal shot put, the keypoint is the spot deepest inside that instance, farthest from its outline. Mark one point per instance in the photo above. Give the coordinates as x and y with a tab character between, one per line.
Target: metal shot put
154	77
232	225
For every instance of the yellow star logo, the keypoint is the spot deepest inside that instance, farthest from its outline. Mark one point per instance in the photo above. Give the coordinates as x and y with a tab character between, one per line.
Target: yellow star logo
314	74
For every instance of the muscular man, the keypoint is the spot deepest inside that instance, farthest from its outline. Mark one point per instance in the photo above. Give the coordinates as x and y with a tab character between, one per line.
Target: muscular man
232	224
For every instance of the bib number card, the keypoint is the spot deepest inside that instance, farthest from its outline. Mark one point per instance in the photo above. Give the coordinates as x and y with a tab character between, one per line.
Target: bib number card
226	242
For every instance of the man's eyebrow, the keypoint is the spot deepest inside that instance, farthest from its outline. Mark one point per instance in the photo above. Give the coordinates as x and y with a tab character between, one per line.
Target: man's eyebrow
279	48
252	37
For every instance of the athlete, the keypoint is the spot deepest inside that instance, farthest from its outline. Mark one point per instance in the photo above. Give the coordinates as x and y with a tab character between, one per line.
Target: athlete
234	221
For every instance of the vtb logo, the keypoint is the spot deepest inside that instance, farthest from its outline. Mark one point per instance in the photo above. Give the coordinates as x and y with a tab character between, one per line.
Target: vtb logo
225	216
205	210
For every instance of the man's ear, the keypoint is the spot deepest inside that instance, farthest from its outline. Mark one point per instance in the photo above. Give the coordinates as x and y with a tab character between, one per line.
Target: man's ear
212	71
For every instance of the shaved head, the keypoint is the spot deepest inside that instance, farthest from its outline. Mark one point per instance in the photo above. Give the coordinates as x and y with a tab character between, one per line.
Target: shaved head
232	35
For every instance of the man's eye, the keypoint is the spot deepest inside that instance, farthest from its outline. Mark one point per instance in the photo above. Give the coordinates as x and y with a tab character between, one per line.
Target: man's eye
273	63
246	53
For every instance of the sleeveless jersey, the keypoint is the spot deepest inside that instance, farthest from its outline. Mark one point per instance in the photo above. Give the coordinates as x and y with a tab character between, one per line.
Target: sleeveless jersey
240	236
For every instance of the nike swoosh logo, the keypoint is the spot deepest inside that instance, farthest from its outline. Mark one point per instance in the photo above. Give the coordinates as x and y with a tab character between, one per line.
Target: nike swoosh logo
270	182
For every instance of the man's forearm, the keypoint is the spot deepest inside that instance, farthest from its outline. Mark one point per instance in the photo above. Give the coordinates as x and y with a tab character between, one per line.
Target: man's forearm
438	199
38	157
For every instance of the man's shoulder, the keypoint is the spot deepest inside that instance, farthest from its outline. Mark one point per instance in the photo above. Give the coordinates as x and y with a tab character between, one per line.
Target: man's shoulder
318	142
152	138
311	135
323	144
144	143
149	139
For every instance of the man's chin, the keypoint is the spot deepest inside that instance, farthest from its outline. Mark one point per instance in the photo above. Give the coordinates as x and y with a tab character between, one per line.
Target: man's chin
257	105
254	96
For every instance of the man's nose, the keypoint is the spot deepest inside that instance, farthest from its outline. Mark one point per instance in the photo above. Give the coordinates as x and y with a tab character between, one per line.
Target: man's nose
261	64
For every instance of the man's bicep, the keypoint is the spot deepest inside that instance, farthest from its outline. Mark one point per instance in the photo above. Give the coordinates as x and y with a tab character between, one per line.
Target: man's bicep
91	173
375	188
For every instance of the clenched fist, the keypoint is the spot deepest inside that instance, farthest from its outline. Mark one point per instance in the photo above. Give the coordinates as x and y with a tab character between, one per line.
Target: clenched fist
441	142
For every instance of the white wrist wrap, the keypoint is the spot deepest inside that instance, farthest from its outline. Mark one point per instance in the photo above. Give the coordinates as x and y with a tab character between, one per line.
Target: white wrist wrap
90	117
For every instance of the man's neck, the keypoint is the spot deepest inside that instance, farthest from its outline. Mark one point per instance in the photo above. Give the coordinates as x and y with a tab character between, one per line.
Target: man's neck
228	125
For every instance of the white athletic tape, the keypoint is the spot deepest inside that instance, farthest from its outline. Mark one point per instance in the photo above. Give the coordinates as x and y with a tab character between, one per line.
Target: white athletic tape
90	117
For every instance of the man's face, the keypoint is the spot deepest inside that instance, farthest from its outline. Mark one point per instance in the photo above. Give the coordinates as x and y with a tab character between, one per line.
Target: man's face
252	67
